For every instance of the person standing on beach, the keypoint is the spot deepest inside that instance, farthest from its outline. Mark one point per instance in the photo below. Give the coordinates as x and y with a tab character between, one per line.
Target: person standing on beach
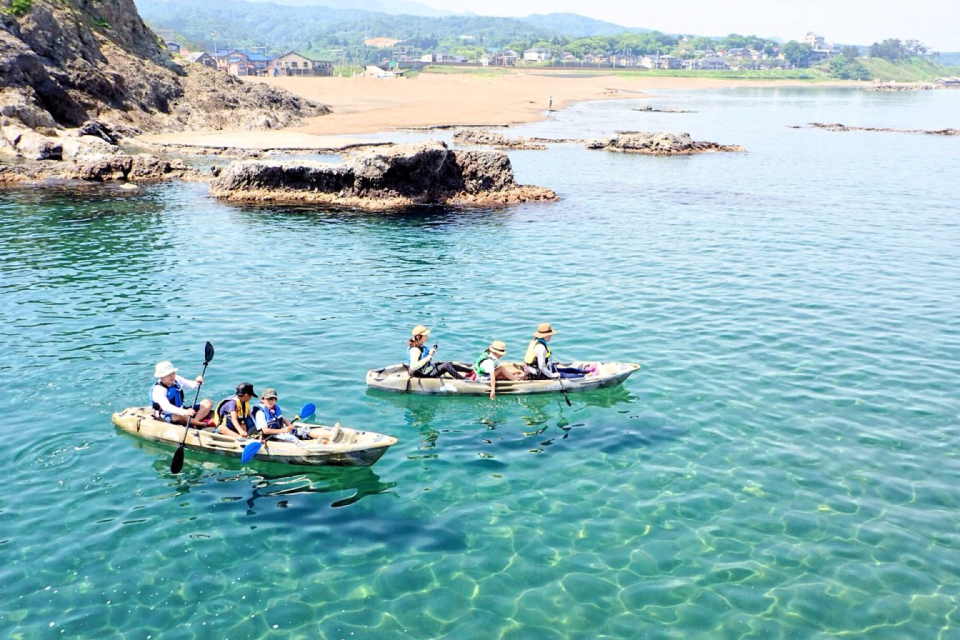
550	104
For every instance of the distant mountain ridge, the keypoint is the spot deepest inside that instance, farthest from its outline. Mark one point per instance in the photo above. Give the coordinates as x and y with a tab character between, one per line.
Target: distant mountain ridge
392	7
577	26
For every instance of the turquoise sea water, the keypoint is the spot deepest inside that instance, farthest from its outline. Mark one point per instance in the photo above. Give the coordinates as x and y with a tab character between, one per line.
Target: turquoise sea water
784	465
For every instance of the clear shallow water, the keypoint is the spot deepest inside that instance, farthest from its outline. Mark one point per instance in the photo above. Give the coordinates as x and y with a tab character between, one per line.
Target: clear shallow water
783	466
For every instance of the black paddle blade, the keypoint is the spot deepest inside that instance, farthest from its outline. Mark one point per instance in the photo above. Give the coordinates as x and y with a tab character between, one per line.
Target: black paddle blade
177	465
207	353
567	398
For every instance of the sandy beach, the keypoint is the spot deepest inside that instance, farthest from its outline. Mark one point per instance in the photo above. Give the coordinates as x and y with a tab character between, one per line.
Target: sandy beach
369	105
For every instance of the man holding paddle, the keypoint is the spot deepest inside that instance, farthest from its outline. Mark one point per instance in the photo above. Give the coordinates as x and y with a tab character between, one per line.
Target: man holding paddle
166	396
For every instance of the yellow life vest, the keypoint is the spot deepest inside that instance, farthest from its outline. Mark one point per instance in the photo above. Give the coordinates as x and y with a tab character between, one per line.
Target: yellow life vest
243	412
530	357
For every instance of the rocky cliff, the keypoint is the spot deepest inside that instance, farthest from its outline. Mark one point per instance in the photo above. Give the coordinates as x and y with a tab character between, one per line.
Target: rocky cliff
382	178
65	62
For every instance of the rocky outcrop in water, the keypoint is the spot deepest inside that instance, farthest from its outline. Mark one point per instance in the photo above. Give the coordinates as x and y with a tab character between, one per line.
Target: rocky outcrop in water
658	144
649	109
843	127
64	62
903	86
472	137
467	137
382	178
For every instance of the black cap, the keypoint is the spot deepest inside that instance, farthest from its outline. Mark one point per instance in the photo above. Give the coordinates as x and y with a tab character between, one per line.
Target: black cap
246	387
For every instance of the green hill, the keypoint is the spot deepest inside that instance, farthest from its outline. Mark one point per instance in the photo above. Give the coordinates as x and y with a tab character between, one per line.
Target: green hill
913	69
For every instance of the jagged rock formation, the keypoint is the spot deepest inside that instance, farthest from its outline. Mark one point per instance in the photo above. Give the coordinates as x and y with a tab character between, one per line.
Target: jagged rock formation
382	178
843	127
658	144
468	137
64	62
472	137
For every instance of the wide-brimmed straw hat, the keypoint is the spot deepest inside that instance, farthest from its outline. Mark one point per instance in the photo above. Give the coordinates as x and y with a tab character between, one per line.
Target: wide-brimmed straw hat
543	330
163	369
497	346
420	330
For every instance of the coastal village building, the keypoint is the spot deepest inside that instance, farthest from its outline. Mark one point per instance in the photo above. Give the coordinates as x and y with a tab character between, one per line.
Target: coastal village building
506	58
295	64
821	48
661	62
238	63
538	54
173	47
203	58
707	63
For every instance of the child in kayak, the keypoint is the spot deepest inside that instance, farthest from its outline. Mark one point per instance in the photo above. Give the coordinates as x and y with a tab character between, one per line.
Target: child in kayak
488	367
233	412
270	423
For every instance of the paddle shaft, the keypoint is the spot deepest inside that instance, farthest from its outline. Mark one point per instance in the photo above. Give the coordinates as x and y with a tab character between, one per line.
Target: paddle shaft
562	388
177	463
196	397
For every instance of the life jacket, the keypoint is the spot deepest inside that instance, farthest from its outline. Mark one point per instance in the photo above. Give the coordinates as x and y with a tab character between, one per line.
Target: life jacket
274	418
530	358
476	365
243	412
174	394
428	369
424	350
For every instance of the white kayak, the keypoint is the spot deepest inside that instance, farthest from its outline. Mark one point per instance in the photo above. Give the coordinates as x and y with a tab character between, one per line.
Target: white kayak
397	378
338	446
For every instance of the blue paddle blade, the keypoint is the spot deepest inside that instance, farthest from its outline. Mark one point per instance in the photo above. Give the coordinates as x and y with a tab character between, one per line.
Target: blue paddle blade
308	410
250	450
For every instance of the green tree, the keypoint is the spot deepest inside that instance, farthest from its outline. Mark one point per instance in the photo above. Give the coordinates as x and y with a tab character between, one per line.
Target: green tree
797	53
850	52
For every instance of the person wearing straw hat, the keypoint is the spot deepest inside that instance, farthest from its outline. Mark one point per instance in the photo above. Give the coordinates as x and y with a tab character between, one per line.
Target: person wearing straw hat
537	357
488	366
421	363
166	396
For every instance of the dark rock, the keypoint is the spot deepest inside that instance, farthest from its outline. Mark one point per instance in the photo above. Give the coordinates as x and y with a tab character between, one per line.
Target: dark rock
657	144
98	129
381	178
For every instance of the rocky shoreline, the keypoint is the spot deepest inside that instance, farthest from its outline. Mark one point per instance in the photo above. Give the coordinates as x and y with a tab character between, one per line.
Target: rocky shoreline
379	179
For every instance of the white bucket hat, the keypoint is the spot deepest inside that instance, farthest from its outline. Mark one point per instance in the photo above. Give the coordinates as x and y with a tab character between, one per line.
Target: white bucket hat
163	369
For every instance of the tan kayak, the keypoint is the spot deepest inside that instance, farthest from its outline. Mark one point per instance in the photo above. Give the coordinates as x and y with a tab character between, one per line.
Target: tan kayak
396	378
349	447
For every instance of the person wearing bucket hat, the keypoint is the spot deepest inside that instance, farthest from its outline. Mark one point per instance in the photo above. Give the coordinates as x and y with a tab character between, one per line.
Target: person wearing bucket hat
166	396
421	363
488	367
233	412
537	357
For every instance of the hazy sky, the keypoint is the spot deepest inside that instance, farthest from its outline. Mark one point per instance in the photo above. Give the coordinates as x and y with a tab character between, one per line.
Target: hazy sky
936	23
